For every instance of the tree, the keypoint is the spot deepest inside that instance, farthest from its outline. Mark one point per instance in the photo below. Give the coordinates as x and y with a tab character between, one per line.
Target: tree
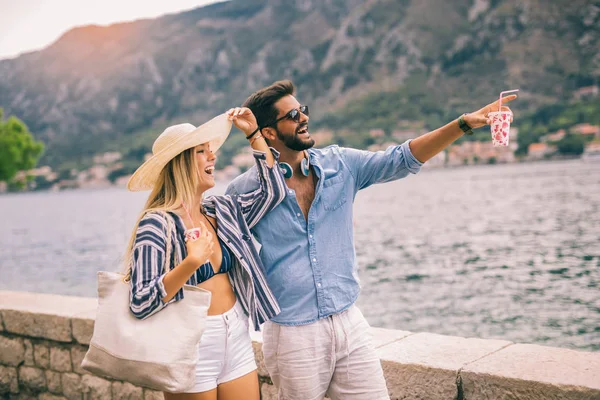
19	151
571	144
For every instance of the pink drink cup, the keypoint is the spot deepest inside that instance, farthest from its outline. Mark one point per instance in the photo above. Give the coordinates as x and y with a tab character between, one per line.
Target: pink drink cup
500	127
192	234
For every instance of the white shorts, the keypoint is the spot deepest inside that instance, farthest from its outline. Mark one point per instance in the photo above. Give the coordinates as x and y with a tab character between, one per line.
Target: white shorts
225	350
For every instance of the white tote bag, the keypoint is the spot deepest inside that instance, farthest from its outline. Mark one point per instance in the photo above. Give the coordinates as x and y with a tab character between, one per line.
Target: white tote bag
159	352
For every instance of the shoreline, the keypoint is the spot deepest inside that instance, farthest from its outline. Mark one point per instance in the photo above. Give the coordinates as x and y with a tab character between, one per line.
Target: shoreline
425	168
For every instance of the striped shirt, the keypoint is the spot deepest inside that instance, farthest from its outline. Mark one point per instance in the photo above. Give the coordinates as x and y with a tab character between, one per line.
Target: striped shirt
235	216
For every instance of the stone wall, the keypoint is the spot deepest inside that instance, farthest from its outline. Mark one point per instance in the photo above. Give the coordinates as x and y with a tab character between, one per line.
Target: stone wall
43	339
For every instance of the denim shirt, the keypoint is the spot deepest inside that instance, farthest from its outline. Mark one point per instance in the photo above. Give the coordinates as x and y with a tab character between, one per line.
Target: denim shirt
311	265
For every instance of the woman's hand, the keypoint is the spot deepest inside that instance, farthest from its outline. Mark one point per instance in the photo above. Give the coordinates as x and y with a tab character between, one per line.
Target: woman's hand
243	119
200	250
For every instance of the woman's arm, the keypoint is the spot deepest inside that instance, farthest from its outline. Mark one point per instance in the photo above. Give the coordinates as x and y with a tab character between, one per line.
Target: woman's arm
271	190
152	290
245	121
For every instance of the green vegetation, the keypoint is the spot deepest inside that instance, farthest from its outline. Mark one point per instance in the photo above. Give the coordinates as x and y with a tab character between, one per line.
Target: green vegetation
18	150
551	118
571	145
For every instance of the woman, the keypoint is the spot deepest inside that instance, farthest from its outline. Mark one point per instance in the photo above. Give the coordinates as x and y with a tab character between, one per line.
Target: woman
179	173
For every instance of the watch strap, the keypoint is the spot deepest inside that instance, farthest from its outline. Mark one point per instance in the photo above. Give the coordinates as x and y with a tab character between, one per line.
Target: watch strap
464	126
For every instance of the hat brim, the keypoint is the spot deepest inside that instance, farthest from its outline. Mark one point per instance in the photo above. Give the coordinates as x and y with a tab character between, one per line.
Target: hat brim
214	132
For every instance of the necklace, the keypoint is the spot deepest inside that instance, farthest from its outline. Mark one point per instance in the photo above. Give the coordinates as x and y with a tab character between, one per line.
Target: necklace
201	213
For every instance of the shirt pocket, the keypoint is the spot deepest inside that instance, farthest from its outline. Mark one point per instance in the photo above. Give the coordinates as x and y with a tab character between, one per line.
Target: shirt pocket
333	194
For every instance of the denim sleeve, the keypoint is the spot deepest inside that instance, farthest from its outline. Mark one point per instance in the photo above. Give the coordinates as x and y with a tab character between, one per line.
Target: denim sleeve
369	167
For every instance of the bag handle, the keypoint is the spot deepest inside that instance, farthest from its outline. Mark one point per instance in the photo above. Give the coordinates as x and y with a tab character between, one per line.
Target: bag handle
169	249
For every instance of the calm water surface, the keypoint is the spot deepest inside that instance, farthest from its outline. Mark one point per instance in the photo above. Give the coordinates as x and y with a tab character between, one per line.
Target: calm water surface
507	251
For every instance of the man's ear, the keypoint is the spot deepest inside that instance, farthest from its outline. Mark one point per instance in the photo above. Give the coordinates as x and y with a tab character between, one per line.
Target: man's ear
269	133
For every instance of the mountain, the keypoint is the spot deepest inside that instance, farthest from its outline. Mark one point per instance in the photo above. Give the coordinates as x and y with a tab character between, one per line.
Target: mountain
357	63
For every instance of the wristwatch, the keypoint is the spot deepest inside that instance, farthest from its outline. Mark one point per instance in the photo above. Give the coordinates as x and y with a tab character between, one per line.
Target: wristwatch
464	126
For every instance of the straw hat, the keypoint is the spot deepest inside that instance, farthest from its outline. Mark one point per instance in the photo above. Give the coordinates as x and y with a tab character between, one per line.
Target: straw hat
174	140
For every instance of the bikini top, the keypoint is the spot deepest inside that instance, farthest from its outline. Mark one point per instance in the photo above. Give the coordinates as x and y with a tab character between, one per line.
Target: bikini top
206	270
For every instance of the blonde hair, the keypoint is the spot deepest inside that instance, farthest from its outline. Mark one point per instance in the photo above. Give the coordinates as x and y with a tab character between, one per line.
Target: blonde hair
176	185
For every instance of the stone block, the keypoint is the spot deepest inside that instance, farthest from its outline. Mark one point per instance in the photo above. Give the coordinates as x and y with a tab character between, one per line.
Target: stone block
268	392
527	371
150	394
382	337
83	326
12	351
53	380
60	359
77	355
9	382
257	342
95	388
29	359
48	396
41	355
260	359
71	386
126	391
24	395
42	315
45	326
425	365
32	378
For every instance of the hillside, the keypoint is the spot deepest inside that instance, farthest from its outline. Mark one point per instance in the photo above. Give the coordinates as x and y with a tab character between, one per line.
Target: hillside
359	64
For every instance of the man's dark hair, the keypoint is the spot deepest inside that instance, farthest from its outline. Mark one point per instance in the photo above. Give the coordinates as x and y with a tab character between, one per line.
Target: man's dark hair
262	102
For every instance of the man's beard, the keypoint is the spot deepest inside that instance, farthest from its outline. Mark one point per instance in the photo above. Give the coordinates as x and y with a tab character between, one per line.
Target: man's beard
293	142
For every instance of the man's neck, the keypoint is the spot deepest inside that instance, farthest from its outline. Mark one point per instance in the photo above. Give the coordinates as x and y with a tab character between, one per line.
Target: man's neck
293	158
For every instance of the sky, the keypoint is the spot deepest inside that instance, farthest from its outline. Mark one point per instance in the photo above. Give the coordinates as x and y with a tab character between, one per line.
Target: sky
27	25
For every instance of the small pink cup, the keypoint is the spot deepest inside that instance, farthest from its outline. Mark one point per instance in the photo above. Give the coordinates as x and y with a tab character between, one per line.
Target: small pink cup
500	127
192	234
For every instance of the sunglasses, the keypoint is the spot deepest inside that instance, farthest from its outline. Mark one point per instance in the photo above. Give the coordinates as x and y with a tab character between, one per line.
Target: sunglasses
294	114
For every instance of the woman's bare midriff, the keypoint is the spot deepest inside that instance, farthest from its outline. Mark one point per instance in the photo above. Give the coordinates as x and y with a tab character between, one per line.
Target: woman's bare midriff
223	298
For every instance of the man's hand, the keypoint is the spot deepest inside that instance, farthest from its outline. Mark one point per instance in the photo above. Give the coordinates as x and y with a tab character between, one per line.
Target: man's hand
480	118
243	119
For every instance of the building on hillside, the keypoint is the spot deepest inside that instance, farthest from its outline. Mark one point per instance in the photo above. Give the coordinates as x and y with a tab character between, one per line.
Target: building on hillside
227	174
480	153
554	137
322	137
382	146
439	160
376	133
244	159
587	92
402	135
586	130
538	151
107	158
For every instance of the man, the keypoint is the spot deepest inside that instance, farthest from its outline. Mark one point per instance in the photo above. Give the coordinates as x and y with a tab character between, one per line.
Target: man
320	342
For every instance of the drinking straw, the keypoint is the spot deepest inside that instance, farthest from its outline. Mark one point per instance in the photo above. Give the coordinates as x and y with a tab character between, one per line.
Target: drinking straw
500	99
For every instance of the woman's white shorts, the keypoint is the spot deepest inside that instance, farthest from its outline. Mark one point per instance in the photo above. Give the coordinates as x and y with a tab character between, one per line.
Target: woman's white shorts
225	350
